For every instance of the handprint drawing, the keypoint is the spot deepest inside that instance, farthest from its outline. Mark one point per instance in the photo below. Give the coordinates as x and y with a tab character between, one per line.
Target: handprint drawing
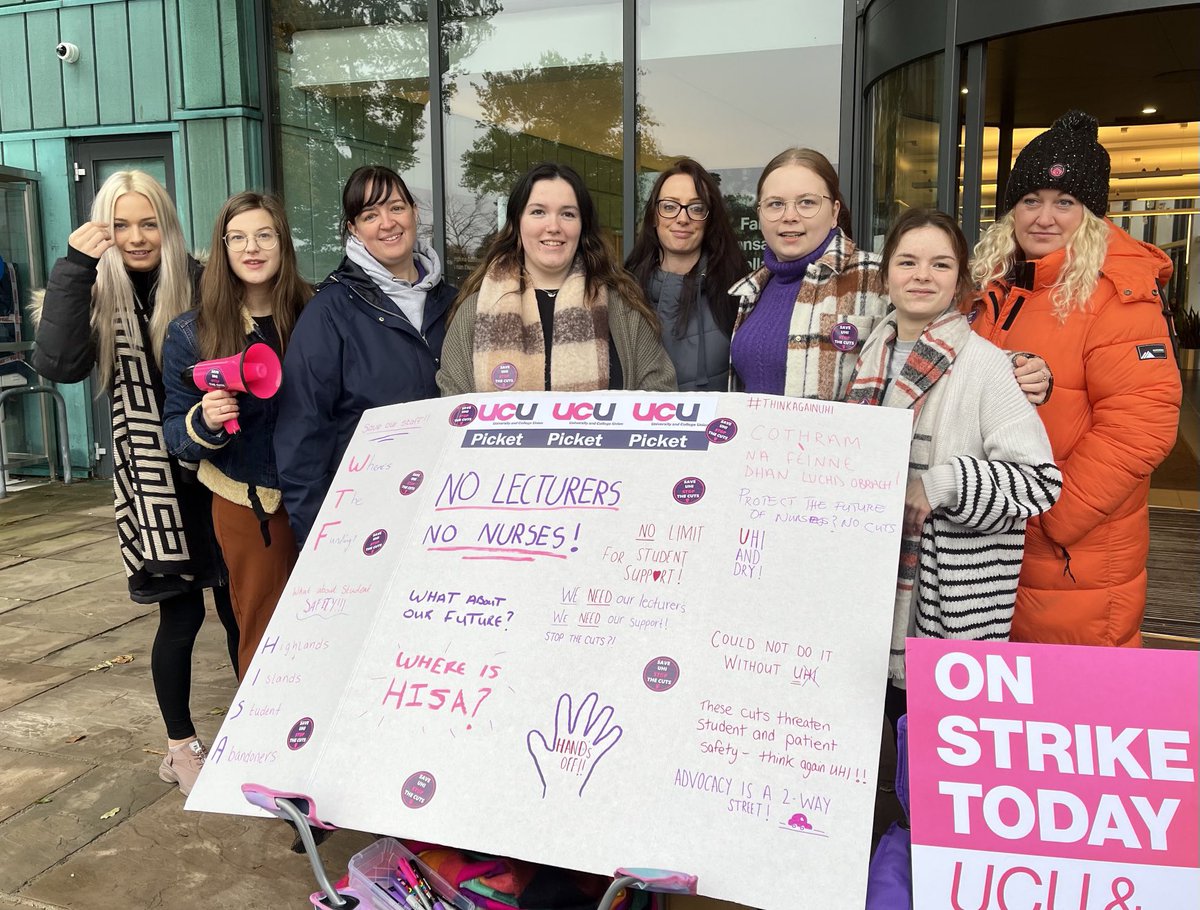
583	734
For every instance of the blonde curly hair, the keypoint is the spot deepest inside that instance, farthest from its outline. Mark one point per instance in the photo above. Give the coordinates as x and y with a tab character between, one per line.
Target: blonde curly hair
997	250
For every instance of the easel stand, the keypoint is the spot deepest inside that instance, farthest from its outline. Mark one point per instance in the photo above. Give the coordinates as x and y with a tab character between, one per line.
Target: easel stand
301	810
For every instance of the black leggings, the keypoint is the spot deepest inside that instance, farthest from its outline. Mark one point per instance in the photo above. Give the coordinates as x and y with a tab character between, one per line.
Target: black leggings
179	621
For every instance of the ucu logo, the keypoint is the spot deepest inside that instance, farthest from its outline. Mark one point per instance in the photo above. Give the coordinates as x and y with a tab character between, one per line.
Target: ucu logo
663	411
507	411
214	378
584	410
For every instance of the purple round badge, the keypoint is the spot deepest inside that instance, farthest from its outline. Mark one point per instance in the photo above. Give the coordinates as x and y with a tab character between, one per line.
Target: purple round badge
660	674
300	733
844	336
374	542
972	316
688	491
721	430
504	376
410	483
463	415
418	790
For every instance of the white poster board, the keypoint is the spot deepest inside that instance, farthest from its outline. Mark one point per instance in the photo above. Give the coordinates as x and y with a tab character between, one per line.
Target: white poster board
593	631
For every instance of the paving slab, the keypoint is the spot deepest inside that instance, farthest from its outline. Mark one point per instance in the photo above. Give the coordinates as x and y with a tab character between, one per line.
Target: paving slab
43	835
43	531
10	603
191	859
40	578
20	643
21	681
64	546
103	550
114	714
6	560
210	658
92	607
26	777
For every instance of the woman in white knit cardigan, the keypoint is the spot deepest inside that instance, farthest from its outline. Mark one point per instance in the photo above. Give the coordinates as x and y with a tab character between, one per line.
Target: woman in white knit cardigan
980	464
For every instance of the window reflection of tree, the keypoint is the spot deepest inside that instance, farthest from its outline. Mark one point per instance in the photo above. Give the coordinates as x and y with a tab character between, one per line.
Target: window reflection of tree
363	102
571	105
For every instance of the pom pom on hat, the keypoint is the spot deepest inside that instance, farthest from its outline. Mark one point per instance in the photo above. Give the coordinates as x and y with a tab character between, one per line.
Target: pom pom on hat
1067	157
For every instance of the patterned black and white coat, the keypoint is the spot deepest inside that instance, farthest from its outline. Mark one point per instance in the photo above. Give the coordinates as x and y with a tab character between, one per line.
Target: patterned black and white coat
164	524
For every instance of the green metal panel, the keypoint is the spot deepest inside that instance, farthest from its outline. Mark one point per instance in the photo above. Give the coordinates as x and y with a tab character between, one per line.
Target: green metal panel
170	12
115	89
79	78
207	173
50	159
199	36
148	61
243	139
235	53
15	111
20	154
45	71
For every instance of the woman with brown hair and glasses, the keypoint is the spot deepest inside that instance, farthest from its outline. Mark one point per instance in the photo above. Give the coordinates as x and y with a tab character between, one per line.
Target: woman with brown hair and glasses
685	258
804	316
251	292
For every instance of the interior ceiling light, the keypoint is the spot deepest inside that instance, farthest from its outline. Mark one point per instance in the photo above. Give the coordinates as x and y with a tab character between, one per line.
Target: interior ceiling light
1149	109
963	90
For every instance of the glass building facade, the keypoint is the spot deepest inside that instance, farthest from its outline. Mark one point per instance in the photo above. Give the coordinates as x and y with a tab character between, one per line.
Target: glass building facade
617	89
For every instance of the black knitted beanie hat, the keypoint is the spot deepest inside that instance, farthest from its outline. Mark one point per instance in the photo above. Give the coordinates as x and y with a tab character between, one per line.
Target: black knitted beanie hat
1067	157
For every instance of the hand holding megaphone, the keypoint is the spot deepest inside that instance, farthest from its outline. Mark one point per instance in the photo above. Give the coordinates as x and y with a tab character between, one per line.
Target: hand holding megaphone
256	370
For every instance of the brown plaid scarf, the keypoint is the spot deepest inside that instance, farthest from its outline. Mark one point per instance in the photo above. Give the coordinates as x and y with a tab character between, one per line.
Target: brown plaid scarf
510	350
932	358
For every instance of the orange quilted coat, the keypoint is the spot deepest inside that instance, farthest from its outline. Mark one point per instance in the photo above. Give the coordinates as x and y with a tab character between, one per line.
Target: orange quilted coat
1111	419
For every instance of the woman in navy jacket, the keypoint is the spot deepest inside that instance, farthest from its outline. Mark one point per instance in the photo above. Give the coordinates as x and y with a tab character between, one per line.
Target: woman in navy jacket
371	336
251	293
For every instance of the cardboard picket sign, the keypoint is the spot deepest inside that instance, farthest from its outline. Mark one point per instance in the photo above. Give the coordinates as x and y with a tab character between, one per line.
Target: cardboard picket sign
1054	776
593	631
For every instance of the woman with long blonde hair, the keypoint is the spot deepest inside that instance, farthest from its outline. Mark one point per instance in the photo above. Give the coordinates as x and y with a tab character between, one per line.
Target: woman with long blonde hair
107	305
251	293
1061	279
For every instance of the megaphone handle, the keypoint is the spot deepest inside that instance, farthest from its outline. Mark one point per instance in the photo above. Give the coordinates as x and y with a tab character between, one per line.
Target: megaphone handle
232	426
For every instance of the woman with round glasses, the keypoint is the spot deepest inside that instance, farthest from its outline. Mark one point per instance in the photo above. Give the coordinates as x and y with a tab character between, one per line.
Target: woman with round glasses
685	258
803	317
251	294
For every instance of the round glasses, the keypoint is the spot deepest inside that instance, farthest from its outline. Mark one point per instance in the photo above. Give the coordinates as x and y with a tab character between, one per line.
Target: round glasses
669	208
806	206
264	240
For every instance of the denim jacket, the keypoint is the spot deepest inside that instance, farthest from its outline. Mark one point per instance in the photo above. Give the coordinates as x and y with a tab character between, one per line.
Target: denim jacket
230	465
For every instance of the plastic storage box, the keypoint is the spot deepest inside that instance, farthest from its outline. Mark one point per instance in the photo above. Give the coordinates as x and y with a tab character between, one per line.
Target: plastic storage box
370	875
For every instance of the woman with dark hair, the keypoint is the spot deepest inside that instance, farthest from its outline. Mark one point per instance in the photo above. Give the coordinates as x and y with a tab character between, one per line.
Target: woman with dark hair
980	464
371	336
685	259
252	293
549	309
108	304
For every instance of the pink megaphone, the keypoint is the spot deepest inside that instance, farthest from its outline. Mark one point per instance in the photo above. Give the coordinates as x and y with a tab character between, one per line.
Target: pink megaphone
256	370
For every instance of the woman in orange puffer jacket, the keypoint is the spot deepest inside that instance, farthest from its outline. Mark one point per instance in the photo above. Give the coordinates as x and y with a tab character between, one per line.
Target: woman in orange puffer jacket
1061	280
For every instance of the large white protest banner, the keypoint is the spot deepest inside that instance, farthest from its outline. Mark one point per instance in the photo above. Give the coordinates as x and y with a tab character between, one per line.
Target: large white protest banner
1053	776
593	631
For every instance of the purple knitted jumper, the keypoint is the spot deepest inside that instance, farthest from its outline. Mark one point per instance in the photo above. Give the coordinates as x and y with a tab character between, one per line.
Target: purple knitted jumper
759	349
